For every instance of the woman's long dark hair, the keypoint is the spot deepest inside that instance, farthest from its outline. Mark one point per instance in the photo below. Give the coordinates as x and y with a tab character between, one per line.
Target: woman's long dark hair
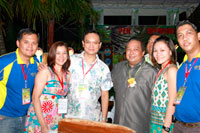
52	56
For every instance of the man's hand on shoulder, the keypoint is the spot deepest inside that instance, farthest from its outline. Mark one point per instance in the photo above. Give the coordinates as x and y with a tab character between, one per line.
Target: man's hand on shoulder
42	66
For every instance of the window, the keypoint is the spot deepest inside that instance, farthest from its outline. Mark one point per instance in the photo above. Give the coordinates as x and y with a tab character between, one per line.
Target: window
117	20
152	20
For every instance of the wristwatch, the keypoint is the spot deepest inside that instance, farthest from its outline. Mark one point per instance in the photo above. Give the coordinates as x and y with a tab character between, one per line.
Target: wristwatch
167	129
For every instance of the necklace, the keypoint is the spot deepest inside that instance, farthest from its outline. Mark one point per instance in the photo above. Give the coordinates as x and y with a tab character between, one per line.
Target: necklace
161	70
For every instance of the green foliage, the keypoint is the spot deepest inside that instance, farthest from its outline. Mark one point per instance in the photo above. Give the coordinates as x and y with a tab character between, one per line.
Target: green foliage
46	10
34	12
5	7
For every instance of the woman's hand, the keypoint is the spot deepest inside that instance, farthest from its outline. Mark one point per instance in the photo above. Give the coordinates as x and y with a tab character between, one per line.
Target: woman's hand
44	129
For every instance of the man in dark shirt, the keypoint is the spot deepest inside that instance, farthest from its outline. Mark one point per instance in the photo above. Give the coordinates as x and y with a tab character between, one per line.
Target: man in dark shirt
133	82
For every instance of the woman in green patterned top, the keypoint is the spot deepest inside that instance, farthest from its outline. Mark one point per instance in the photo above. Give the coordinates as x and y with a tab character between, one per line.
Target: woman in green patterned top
164	91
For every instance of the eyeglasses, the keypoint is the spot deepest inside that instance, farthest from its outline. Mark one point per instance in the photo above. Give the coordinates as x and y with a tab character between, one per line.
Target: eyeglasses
88	42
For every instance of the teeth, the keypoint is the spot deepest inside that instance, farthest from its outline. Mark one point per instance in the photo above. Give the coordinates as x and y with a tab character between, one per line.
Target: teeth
186	44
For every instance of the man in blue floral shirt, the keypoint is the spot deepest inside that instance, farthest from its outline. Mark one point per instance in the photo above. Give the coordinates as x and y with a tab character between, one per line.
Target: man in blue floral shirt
90	80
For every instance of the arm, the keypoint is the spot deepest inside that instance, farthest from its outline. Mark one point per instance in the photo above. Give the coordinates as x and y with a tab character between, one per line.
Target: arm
40	81
106	85
171	82
68	76
104	104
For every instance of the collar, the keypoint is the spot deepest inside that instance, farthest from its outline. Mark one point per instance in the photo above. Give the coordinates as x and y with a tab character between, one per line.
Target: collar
137	65
186	57
97	57
19	59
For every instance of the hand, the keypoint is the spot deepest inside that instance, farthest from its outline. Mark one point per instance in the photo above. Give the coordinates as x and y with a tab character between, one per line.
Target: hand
44	129
42	66
163	131
1	118
104	121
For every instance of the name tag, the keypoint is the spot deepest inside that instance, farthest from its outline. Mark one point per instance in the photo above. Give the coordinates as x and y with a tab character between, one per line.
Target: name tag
62	106
26	96
180	94
82	87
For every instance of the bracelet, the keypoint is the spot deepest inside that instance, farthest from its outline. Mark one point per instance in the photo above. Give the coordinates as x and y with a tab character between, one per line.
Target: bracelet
167	129
104	119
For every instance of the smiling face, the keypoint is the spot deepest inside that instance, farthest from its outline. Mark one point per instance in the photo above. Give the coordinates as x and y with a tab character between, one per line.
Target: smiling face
61	55
27	46
188	38
134	53
162	53
91	44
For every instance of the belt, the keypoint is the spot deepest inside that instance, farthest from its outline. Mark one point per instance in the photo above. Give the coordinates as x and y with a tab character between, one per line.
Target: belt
190	125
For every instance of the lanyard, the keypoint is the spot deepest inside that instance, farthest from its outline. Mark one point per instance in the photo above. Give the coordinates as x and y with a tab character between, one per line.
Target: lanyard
25	75
161	71
188	72
84	74
60	79
139	69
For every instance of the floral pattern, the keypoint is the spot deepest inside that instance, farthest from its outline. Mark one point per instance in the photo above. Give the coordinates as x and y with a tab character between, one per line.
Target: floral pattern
83	102
49	119
49	104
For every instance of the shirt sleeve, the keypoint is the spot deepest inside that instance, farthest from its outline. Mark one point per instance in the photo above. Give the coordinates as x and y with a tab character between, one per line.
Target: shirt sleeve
1	68
106	80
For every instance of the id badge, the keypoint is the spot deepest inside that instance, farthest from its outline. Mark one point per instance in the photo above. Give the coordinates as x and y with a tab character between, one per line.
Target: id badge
82	91
62	105
82	87
26	96
180	94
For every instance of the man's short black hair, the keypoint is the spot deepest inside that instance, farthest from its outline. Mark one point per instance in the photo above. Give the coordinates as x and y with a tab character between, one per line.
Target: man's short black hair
91	31
137	39
26	31
155	34
181	23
